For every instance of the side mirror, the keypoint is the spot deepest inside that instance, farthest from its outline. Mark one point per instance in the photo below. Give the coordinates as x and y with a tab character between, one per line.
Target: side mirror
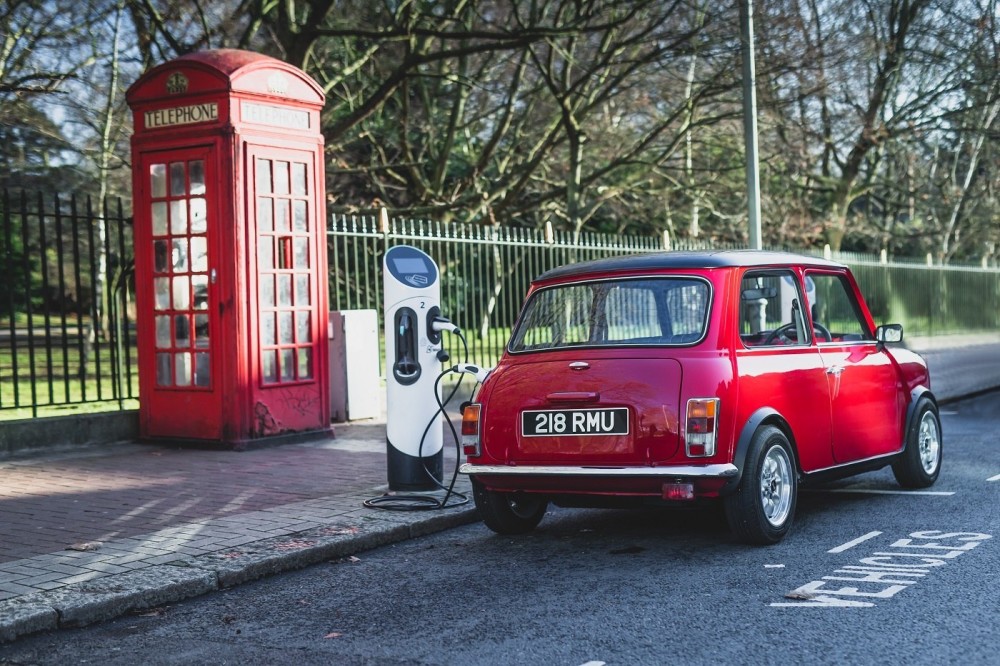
889	333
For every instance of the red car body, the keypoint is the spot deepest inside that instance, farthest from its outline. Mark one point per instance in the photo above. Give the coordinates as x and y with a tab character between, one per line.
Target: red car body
677	376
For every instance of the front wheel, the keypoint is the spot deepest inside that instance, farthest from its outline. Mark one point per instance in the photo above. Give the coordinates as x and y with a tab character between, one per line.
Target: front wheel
761	510
508	513
919	464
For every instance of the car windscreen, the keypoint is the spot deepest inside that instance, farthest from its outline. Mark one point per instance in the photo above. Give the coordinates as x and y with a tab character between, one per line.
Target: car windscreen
619	312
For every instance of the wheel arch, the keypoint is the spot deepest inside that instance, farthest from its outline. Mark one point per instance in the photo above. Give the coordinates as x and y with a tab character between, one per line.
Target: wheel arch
918	395
764	416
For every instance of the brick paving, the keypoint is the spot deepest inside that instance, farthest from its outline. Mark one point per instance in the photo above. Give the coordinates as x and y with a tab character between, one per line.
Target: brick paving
71	518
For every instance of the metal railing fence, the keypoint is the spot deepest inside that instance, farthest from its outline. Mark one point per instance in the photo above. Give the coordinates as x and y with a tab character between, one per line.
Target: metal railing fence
63	343
485	271
65	325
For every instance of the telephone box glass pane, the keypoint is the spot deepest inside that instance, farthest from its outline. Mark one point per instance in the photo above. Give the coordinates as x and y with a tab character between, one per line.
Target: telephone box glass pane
182	369
285	290
160	256
201	331
163	332
285	333
267	333
269	367
199	254
302	329
199	216
284	252
178	186
265	253
182	293
180	255
182	331
281	221
265	214
301	245
163	362
281	177
301	290
202	369
199	283
287	365
263	176
305	363
299	179
178	217
160	218
299	220
158	180
197	173
267	291
161	293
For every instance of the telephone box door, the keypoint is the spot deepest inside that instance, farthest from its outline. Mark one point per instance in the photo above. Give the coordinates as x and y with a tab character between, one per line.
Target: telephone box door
181	330
283	204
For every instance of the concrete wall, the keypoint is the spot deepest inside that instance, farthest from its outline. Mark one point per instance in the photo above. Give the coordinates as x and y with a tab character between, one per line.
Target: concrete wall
27	436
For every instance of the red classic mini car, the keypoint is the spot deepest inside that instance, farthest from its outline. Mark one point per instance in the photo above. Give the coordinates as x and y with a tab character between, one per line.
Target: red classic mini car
678	376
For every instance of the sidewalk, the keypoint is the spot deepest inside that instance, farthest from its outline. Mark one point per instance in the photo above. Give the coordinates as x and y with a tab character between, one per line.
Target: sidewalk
105	531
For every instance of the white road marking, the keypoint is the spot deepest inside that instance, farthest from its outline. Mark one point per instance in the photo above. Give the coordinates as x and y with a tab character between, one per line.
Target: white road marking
774	566
851	544
594	663
994	478
873	491
883	574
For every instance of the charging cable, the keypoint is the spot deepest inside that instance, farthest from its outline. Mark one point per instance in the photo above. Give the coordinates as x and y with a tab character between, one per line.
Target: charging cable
429	502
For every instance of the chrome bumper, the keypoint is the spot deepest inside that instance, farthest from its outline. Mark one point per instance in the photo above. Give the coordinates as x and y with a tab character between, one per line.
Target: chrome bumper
724	471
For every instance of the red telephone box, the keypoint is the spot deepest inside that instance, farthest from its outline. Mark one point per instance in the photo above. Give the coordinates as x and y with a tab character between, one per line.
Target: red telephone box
230	250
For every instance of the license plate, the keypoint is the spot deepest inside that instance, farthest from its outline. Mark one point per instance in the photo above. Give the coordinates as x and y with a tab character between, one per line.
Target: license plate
545	423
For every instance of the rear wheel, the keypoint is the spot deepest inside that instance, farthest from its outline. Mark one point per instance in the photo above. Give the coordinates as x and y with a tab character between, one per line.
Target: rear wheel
509	513
919	464
762	508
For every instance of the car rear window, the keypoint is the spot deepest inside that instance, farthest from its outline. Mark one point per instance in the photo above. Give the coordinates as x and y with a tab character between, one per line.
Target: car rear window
642	311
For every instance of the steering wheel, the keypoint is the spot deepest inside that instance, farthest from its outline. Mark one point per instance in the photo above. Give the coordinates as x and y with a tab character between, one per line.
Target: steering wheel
788	332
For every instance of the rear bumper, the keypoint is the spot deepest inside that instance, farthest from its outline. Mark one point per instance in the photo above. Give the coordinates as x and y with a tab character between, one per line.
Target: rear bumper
717	471
603	481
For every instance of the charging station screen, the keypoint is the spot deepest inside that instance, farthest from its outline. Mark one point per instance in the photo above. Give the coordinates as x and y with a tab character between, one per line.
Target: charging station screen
410	265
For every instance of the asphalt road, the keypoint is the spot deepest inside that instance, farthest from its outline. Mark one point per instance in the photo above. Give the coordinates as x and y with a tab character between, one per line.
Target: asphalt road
867	575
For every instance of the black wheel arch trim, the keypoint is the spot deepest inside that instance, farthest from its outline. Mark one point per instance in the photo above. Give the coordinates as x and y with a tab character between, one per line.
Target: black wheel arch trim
758	418
917	395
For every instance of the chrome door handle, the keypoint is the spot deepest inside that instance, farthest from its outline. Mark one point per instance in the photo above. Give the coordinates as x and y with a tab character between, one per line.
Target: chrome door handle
579	365
835	370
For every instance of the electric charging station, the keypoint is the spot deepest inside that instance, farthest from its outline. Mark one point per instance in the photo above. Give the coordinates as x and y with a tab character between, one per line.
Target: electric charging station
412	295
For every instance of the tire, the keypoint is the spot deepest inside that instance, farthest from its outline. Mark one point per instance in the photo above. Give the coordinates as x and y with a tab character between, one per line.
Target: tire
919	465
761	510
509	513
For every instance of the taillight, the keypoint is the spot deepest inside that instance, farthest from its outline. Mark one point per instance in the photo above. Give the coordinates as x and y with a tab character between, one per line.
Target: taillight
470	429
700	429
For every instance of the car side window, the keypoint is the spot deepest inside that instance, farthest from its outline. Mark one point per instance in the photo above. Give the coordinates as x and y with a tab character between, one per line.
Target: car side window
834	308
771	310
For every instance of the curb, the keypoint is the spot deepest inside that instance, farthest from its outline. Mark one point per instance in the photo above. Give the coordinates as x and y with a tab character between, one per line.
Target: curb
114	596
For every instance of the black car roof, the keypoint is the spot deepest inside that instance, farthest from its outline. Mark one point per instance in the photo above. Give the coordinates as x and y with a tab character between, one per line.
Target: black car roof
701	259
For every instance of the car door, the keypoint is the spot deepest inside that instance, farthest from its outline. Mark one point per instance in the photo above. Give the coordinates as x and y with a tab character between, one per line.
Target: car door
779	366
866	395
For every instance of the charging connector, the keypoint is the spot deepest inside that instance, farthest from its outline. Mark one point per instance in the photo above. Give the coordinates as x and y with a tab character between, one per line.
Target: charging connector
442	324
467	368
